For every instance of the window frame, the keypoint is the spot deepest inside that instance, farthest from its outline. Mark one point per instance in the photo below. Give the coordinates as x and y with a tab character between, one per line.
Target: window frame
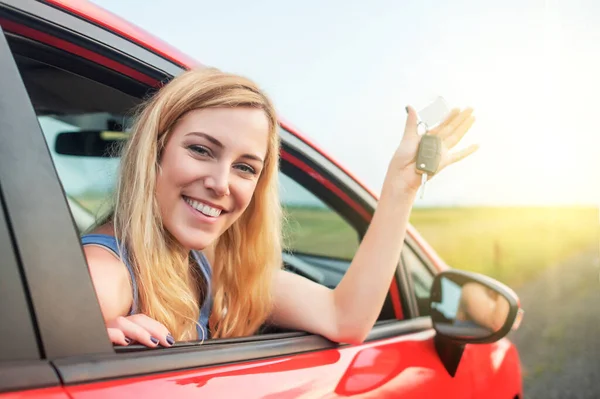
21	350
88	355
411	303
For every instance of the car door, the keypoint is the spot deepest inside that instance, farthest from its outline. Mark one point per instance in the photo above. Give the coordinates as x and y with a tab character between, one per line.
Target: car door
398	359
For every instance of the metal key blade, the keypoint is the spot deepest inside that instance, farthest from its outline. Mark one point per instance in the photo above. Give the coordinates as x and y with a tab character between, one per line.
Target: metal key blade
423	181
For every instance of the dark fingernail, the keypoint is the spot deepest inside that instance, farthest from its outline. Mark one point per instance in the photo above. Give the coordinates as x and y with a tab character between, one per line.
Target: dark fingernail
127	340
170	339
406	108
154	340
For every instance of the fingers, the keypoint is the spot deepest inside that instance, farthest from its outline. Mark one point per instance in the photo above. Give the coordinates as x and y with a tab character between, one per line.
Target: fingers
458	155
118	337
453	113
155	328
459	132
452	124
139	328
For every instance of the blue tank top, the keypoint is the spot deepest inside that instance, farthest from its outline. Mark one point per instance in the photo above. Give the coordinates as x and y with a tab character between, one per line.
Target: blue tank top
110	242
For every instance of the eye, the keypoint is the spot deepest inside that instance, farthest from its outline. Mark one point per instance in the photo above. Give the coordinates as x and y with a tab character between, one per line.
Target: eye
200	150
246	168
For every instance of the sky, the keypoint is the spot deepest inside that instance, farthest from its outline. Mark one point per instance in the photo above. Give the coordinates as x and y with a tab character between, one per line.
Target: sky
342	72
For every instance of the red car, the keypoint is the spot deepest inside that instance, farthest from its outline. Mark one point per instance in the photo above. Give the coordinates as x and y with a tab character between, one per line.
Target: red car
70	73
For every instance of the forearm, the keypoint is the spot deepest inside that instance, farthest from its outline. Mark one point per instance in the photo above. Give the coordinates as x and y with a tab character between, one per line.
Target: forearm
359	296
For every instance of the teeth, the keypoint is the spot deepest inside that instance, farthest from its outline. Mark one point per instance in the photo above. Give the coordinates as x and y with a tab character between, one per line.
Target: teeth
203	208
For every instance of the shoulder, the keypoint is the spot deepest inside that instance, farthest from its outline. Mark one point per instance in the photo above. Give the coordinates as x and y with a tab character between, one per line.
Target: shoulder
111	281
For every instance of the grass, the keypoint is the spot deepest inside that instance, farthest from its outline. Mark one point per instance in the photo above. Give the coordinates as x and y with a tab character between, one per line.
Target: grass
511	244
319	231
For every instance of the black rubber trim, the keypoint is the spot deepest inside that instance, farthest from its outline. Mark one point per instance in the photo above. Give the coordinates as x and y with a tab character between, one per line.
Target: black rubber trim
405	286
66	26
17	376
18	340
64	301
106	367
218	341
58	58
421	255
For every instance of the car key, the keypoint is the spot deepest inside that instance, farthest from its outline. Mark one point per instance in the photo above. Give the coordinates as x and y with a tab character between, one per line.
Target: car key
429	155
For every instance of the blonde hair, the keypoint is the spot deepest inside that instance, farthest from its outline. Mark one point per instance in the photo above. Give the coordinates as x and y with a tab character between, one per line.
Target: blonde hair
246	256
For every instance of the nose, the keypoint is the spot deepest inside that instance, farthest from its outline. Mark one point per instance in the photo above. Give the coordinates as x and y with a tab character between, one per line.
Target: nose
218	181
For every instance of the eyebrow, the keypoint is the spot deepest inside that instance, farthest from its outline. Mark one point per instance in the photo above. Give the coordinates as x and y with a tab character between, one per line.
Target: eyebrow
220	145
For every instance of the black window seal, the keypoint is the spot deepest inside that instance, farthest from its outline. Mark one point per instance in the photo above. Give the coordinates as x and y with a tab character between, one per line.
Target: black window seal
72	63
107	367
427	263
408	291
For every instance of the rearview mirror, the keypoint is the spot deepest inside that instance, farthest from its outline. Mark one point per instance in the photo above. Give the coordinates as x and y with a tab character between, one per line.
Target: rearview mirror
89	143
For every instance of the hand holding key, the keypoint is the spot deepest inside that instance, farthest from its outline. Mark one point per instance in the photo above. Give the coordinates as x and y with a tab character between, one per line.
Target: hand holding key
404	172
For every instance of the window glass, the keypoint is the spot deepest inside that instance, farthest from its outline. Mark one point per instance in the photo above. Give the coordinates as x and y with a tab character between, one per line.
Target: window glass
421	276
311	227
88	181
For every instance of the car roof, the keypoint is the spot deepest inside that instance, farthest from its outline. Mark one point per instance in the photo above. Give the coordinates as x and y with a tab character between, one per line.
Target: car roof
112	22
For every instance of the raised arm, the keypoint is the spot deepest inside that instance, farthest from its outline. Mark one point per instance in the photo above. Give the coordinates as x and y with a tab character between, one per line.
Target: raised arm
347	313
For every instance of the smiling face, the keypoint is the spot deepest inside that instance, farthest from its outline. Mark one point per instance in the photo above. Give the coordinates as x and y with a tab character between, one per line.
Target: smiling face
208	172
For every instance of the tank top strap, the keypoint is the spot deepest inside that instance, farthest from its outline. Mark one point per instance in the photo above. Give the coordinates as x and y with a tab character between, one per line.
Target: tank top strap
206	308
110	242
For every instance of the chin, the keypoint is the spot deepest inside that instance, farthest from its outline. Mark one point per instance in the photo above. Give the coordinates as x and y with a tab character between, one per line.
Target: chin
195	240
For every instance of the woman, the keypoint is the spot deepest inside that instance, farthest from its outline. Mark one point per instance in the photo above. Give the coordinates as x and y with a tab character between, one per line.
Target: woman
193	245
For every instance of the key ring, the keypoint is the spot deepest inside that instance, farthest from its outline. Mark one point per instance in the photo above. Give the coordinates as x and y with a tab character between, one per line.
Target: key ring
425	126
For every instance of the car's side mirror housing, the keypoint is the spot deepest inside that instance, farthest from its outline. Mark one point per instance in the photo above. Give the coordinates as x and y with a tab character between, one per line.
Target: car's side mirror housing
470	308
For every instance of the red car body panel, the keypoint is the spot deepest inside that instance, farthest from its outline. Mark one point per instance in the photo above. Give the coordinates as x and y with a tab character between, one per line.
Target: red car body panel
393	368
44	393
407	366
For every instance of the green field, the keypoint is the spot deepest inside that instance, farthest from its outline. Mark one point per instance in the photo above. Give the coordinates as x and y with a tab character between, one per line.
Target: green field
319	231
511	244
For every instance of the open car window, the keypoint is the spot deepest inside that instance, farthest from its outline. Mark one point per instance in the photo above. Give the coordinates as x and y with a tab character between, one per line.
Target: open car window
320	242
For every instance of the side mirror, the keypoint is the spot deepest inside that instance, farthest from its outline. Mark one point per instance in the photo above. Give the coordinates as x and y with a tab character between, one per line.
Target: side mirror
89	143
470	308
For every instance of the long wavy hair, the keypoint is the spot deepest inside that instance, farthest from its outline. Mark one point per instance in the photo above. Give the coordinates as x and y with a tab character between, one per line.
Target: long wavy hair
246	255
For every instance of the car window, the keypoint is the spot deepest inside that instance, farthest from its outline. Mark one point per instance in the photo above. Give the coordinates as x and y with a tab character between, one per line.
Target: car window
88	181
312	227
421	277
